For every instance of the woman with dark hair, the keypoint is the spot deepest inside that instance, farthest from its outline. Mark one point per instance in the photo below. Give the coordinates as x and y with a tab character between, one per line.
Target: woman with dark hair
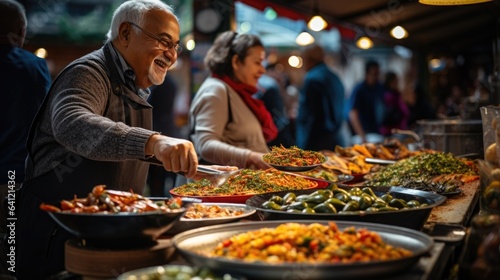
227	124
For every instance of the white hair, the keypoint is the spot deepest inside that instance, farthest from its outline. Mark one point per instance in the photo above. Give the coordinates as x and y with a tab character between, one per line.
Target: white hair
134	11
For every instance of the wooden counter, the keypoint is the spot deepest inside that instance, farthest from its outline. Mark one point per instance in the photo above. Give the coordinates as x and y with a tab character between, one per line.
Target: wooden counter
457	209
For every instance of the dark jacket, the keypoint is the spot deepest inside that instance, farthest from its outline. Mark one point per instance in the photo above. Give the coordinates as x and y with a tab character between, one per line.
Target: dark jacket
25	80
321	107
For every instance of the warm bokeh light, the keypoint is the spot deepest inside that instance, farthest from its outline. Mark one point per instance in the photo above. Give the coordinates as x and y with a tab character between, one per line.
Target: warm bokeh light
41	52
190	45
364	43
304	39
317	23
435	64
295	61
399	32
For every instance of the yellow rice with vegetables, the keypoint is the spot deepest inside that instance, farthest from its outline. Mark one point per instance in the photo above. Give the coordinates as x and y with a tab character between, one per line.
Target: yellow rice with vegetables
314	243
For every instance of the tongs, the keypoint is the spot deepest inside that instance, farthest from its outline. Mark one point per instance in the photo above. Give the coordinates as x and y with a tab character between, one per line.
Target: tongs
379	161
207	170
201	168
217	177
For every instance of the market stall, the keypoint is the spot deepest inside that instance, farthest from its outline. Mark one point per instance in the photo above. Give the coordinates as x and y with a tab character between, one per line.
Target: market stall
437	222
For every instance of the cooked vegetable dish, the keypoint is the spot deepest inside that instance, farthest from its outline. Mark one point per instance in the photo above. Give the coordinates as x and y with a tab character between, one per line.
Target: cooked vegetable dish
200	211
293	156
105	201
247	182
439	172
314	243
339	201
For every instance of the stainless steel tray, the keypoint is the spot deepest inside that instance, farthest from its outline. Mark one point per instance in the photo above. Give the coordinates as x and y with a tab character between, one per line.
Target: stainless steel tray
191	245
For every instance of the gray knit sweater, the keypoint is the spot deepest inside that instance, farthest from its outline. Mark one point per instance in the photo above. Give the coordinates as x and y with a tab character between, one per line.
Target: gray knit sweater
84	117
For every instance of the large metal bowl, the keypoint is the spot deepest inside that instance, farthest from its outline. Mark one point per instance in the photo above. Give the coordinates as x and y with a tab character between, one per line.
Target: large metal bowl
119	229
413	218
194	245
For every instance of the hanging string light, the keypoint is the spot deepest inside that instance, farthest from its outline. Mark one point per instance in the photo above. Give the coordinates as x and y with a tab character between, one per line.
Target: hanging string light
399	32
317	23
304	39
364	43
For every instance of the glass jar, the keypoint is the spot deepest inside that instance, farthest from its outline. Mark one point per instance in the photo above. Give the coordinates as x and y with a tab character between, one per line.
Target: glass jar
489	187
490	116
481	255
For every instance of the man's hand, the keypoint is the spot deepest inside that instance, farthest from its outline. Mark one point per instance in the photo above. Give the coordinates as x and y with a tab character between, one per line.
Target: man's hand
177	155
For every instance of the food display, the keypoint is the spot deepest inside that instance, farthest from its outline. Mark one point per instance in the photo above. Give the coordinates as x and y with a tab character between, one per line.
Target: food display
173	272
339	201
414	215
105	201
116	219
490	187
211	213
348	165
201	211
247	182
393	150
326	241
327	175
313	243
352	160
438	172
293	158
480	258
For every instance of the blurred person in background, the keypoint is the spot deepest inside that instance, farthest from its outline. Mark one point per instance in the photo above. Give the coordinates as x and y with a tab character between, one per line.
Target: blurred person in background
420	107
366	106
25	80
396	111
95	128
270	92
228	125
453	105
321	104
162	98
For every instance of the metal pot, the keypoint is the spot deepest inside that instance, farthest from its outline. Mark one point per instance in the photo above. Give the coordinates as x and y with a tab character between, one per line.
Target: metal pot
463	138
459	137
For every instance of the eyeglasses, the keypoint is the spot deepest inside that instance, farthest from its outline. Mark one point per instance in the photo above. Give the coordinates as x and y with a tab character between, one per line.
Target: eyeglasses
164	44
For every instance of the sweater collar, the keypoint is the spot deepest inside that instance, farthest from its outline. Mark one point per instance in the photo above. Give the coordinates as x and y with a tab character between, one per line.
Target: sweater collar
127	75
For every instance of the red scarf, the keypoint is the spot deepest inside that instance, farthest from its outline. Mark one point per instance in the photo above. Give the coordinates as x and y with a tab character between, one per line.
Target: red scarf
257	106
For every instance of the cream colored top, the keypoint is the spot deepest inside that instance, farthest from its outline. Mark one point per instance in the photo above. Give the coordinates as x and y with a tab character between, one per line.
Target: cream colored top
222	136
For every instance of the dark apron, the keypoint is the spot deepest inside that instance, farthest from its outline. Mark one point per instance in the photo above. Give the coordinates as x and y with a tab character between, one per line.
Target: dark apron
39	240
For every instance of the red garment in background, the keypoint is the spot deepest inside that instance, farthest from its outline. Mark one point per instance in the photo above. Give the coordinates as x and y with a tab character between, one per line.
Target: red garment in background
257	106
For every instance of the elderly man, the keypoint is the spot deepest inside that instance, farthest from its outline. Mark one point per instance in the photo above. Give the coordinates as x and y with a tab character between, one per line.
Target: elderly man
94	127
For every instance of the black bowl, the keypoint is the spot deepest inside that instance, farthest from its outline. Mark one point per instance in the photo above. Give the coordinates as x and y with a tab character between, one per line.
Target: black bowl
413	218
119	229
